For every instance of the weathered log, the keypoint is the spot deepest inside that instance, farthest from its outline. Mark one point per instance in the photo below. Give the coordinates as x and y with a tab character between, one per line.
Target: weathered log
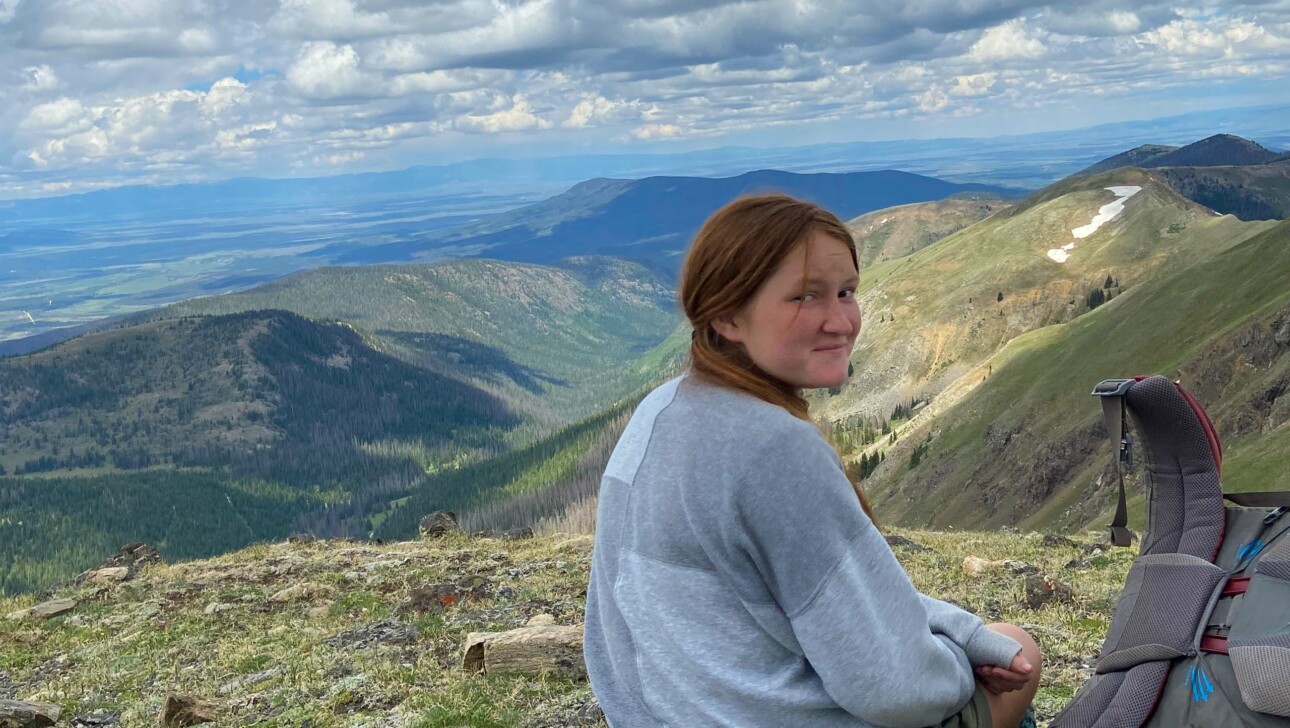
530	650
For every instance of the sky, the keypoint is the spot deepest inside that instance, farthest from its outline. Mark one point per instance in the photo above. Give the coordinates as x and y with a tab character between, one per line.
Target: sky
98	93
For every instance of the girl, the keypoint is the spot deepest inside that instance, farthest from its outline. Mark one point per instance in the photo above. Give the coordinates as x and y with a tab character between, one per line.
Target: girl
737	577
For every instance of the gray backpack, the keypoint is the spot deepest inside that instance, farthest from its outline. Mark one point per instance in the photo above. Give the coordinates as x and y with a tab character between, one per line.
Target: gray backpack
1201	634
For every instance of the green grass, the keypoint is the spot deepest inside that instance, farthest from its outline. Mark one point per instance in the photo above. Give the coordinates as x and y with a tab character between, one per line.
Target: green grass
124	647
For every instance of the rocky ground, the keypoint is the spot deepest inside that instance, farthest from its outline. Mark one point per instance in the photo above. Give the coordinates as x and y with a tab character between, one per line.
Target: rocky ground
345	633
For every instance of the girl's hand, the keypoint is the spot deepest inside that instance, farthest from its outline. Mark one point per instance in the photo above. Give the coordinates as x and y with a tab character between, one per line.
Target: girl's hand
999	680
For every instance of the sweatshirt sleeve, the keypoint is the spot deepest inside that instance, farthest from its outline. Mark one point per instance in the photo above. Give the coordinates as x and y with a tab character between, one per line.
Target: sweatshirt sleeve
982	645
881	654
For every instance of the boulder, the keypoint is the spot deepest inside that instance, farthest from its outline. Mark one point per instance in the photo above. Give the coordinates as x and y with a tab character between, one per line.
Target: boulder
110	574
438	524
902	542
516	534
132	557
25	714
976	566
180	710
1041	590
45	610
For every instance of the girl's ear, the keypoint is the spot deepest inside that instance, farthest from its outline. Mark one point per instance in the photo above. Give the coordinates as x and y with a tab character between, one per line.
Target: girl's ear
728	329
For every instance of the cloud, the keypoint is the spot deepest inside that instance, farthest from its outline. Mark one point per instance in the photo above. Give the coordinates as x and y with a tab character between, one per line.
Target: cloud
40	78
518	116
327	71
1009	41
99	92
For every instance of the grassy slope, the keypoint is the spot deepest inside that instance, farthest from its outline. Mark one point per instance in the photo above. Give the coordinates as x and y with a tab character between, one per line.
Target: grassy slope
126	646
1025	431
894	232
932	316
550	340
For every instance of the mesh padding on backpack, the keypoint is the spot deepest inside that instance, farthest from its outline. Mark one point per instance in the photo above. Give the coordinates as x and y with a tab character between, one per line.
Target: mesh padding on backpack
1116	699
1186	507
1262	666
1164	596
1276	563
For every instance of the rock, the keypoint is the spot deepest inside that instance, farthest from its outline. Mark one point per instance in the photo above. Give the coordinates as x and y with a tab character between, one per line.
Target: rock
1041	590
527	650
217	607
540	620
296	593
247	681
384	564
438	524
901	541
302	538
8	690
95	719
45	610
1019	568
975	566
516	534
25	714
185	711
437	597
1052	540
132	557
385	632
110	574
486	533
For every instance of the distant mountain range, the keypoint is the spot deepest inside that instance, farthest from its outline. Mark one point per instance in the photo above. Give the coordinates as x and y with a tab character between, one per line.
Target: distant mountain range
351	400
653	220
1225	173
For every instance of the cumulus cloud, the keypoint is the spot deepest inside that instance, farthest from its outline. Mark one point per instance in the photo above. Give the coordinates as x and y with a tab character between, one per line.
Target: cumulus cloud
40	78
120	90
1009	41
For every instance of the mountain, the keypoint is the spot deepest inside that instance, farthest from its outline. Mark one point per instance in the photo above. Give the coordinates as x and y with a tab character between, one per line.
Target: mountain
1215	151
1252	192
290	416
652	220
555	342
893	232
1225	173
1018	440
1137	157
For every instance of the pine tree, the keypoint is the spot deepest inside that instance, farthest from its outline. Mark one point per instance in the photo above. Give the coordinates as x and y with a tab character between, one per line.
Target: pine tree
1109	282
999	299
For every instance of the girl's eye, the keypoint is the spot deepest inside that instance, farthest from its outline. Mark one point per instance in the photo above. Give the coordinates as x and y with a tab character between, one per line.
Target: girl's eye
848	293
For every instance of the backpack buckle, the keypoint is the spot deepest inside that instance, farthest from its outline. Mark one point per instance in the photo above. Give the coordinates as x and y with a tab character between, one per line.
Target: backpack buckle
1274	515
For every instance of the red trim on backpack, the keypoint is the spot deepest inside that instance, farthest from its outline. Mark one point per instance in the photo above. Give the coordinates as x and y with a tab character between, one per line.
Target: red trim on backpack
1215	447
1236	586
1212	643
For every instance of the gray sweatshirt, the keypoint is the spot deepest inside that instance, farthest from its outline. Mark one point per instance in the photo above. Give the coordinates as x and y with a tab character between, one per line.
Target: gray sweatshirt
735	581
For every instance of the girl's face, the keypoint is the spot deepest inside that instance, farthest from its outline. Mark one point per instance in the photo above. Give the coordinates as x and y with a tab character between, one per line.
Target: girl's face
800	329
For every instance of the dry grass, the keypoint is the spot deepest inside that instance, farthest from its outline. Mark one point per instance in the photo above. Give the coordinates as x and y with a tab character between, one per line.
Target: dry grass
289	663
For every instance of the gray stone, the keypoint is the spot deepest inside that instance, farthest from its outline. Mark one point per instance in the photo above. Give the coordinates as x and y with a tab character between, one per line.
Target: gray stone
438	524
25	714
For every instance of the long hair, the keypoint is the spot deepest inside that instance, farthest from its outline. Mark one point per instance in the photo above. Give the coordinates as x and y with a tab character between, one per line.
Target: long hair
736	250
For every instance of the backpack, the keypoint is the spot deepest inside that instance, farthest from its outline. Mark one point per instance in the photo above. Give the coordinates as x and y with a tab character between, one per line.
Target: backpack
1201	633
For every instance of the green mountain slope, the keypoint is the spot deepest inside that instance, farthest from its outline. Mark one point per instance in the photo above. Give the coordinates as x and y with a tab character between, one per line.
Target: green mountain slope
933	316
1018	439
1228	174
135	433
550	340
894	232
